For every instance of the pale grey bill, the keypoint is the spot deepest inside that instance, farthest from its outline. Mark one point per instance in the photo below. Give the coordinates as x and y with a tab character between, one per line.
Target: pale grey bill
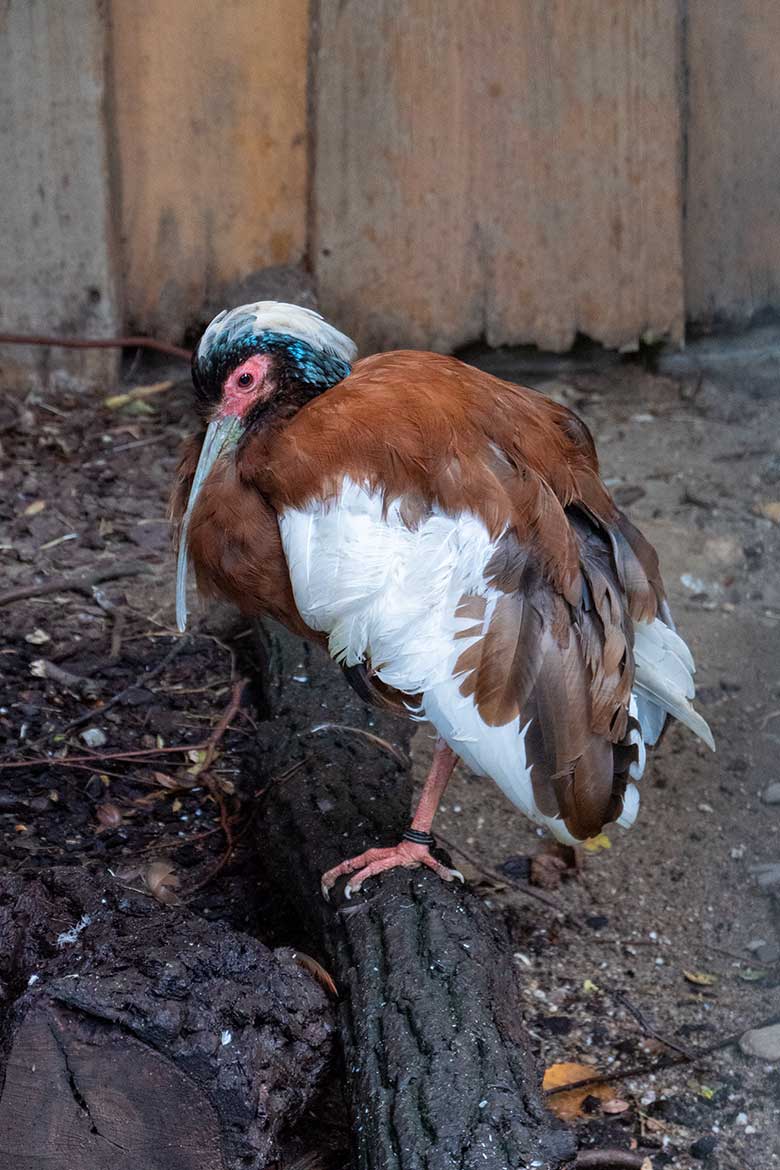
221	433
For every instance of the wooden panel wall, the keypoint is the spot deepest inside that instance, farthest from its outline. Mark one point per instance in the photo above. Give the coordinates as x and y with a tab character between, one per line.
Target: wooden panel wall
732	236
57	256
210	108
517	177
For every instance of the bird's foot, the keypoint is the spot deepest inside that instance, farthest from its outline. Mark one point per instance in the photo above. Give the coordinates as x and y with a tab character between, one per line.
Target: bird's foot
406	854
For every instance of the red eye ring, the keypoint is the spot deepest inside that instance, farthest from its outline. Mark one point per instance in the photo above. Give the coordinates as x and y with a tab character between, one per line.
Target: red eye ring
245	380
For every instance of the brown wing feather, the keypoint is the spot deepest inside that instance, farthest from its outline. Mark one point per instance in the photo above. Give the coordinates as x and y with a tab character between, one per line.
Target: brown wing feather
430	431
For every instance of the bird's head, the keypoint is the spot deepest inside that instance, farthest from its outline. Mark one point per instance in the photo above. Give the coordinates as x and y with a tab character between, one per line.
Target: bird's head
254	366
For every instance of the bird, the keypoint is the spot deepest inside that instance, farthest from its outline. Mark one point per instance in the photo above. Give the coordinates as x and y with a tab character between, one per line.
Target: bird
448	537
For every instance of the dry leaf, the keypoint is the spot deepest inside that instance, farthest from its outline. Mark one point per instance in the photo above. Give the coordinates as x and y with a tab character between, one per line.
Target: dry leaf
700	978
199	758
162	882
589	986
35	508
597	844
568	1106
770	509
138	392
616	1105
165	781
109	816
751	975
177	805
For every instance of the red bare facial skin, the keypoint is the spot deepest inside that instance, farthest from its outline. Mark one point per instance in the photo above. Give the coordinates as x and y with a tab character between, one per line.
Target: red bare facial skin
237	398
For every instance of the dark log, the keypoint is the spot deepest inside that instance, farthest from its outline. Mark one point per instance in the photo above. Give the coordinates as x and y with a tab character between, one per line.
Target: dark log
137	1035
440	1070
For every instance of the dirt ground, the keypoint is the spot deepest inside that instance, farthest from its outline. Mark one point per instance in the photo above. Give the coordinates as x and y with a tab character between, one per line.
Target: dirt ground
604	956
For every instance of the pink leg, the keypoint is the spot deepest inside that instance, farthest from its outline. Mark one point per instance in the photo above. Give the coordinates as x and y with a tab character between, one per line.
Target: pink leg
407	854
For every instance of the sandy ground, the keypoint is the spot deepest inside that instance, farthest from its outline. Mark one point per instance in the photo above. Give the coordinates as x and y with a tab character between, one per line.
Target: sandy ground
697	465
694	464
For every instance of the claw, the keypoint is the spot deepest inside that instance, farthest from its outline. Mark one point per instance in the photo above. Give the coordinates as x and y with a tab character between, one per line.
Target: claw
325	891
375	861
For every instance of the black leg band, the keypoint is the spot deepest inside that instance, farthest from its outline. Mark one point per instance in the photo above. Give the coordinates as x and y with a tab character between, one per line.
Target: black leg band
418	837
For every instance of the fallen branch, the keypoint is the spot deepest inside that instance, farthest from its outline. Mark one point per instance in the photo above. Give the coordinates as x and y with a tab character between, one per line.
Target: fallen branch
611	1160
76	584
440	1069
181	1042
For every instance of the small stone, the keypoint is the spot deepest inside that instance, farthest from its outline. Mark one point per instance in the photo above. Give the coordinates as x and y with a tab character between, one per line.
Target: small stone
93	737
703	1147
37	638
771	794
762	1042
767	874
517	866
768	953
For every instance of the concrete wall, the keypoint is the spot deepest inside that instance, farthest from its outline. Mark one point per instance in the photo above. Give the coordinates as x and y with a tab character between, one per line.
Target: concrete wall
58	256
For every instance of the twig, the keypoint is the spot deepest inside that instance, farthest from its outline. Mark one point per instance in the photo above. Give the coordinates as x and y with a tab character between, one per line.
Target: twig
141	680
224	821
227	717
750	961
80	584
207	745
86	687
210	750
641	1070
117	631
97	757
610	1160
648	1028
502	879
97	343
395	752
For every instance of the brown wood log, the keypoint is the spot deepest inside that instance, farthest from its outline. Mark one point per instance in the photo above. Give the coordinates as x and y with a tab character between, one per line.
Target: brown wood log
137	1035
440	1070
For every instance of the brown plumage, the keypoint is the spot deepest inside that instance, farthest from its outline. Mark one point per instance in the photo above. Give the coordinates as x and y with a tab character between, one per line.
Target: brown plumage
571	576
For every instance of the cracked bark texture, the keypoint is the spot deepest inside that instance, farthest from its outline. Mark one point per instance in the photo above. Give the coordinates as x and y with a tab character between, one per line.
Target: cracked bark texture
440	1070
153	1039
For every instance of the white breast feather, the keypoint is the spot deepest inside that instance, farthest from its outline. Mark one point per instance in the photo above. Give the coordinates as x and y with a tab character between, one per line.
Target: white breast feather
388	594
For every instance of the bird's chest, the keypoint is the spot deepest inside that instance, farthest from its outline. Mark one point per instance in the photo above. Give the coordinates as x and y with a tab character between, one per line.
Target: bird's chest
383	591
237	551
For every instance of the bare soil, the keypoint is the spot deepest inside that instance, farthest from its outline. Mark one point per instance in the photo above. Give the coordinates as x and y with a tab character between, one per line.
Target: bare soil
84	486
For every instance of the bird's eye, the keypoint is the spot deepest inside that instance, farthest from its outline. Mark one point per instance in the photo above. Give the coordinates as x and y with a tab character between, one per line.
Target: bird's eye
245	380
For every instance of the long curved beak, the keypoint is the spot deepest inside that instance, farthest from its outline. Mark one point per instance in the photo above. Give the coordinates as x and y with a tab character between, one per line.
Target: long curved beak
221	434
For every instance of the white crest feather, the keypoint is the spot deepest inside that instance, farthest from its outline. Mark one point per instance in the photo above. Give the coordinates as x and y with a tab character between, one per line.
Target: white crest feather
278	317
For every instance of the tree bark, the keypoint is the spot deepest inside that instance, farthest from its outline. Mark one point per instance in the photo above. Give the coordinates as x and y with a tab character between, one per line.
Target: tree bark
440	1070
136	1035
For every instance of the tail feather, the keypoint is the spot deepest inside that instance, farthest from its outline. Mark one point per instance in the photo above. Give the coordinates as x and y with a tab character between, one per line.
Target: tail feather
663	683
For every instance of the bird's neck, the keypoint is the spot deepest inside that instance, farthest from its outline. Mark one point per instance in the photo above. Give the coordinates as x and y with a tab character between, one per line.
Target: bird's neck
298	382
